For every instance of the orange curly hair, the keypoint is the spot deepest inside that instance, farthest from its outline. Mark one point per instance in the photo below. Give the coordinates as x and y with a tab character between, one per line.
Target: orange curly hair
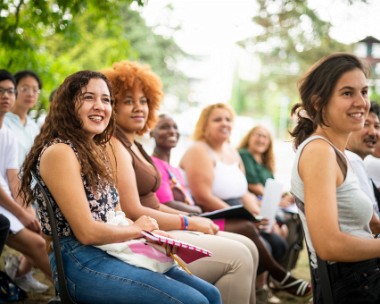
127	75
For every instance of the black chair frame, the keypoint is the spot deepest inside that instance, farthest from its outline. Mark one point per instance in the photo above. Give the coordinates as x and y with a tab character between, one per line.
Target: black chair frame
63	291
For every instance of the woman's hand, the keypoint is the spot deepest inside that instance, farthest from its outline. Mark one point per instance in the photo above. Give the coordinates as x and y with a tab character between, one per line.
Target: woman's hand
251	203
146	223
286	200
202	224
29	220
262	225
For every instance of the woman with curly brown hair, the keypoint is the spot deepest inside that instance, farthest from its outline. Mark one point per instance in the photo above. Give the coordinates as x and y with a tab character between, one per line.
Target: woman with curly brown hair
70	157
138	94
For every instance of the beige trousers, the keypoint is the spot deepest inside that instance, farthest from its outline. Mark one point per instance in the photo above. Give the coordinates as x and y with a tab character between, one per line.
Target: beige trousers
232	266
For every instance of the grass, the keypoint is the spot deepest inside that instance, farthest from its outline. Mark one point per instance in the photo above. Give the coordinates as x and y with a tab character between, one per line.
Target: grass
301	271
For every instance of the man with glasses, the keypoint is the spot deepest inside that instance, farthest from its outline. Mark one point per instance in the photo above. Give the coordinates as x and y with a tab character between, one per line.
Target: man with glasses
28	88
25	230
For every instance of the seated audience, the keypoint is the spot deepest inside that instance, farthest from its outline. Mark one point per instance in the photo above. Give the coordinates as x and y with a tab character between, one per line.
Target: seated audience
24	227
69	157
138	93
25	129
216	178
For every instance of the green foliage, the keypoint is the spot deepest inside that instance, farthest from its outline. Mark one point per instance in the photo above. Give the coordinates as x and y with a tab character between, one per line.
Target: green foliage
55	38
292	38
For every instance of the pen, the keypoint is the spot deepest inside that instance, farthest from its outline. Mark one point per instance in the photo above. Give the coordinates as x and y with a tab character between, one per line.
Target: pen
180	263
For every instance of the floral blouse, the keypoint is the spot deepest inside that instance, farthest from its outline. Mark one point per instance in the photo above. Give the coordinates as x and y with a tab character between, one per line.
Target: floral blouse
100	202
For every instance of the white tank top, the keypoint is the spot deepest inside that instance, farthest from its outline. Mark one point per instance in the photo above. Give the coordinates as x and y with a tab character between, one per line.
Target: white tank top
229	181
355	208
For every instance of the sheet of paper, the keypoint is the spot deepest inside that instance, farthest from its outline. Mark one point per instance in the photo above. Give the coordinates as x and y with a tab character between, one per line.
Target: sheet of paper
271	199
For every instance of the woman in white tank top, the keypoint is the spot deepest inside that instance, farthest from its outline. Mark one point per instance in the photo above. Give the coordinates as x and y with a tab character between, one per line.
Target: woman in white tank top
216	178
335	213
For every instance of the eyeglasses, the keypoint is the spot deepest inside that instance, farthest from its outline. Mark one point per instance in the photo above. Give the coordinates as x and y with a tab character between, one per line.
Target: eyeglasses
9	91
31	90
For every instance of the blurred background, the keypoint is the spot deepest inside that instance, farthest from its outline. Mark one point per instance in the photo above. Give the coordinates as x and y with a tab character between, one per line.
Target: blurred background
248	53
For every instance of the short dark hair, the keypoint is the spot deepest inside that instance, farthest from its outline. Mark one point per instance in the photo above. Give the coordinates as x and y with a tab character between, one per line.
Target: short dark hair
375	108
5	75
28	73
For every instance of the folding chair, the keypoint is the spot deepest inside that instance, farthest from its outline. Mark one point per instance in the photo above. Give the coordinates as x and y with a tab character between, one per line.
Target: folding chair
323	273
63	292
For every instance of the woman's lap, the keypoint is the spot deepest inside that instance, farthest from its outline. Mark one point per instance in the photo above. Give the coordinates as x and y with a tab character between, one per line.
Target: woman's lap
95	277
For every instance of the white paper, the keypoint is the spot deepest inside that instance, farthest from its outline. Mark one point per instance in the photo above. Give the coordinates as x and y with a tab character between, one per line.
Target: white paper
271	199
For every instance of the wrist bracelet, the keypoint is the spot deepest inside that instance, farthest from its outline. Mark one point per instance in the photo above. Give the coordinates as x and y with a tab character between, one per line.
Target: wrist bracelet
182	221
186	221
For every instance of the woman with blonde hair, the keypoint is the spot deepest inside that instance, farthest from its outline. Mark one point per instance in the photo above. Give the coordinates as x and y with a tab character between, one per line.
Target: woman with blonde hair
257	153
216	179
257	144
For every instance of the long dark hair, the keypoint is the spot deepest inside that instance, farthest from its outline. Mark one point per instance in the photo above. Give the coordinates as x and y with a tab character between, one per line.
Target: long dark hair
316	88
63	122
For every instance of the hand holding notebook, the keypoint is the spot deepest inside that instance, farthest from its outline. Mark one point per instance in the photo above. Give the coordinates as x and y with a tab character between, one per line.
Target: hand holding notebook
187	252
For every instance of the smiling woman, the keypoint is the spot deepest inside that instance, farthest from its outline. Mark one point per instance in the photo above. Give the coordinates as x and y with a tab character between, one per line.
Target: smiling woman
95	107
335	103
138	94
69	156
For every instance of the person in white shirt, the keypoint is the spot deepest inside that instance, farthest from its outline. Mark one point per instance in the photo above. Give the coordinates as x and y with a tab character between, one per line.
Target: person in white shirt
28	88
362	143
372	165
25	229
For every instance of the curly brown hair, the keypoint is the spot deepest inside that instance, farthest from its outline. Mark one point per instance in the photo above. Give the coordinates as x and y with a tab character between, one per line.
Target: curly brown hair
126	75
63	122
268	155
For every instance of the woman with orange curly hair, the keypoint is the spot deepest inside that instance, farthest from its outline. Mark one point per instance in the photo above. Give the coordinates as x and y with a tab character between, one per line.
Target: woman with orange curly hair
232	267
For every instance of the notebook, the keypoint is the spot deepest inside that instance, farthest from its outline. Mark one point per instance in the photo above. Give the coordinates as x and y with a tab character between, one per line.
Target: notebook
187	252
236	212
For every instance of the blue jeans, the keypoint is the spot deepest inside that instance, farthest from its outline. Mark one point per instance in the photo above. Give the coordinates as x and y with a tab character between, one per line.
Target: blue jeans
93	277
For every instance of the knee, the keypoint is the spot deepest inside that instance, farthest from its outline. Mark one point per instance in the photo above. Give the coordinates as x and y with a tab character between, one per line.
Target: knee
39	244
213	295
244	258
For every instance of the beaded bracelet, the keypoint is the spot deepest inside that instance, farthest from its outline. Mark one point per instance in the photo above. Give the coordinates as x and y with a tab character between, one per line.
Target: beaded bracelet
184	222
185	219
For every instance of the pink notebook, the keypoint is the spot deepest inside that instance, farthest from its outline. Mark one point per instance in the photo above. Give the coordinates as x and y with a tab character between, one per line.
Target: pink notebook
187	252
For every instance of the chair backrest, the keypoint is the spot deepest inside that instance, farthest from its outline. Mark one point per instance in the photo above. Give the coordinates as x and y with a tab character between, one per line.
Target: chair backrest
323	273
325	281
63	292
